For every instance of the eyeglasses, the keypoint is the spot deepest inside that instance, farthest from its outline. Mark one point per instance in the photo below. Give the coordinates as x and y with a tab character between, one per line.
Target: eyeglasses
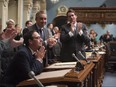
37	37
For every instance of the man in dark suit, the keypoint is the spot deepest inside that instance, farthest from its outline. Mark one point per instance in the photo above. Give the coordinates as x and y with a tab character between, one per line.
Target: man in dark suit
73	38
28	58
40	27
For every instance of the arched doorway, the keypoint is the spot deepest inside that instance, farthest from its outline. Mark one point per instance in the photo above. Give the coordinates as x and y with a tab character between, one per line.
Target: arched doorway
59	21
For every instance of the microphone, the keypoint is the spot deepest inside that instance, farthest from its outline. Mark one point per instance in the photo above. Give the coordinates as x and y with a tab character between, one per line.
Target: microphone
32	75
83	57
79	65
73	55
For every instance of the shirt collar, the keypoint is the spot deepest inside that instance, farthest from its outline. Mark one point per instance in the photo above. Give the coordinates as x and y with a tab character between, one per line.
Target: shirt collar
39	27
32	51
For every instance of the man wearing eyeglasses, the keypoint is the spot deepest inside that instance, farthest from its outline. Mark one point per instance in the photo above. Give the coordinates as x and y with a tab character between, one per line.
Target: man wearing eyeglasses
28	58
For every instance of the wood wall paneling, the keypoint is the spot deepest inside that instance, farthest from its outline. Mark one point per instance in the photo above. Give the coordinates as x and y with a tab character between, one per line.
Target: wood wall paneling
91	15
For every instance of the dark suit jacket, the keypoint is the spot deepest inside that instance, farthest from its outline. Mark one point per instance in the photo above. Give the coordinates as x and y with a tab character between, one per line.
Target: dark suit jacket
45	31
22	64
72	44
4	45
25	30
46	36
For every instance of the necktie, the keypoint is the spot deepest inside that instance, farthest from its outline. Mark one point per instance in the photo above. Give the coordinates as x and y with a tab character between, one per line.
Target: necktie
42	34
74	32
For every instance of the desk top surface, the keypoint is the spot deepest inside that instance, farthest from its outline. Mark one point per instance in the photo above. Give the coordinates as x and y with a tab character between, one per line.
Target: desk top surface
65	75
61	65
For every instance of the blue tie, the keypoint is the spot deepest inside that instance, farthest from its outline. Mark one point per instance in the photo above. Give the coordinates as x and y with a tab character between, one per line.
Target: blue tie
42	34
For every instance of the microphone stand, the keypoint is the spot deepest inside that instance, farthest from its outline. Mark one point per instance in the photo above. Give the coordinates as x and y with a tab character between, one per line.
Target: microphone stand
83	57
32	75
79	66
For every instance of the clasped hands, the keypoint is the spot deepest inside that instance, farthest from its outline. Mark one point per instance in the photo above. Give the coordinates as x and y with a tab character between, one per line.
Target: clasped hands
79	26
40	53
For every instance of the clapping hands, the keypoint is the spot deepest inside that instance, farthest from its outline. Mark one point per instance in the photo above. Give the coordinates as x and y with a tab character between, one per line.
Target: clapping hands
10	33
39	54
79	26
51	41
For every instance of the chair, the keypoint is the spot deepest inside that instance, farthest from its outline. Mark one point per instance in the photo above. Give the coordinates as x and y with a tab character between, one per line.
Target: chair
111	55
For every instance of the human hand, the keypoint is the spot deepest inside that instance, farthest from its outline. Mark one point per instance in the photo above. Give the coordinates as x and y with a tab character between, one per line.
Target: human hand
56	36
39	54
107	37
72	27
9	33
79	26
51	41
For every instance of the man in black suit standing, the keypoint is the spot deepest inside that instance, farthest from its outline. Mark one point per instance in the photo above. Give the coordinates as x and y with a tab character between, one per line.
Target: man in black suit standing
73	38
40	27
28	58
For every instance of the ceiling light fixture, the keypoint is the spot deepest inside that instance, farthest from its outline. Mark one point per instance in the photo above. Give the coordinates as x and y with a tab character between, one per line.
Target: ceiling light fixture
54	1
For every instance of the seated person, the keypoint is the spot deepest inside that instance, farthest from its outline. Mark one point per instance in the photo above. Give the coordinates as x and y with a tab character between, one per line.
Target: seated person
93	39
106	37
28	58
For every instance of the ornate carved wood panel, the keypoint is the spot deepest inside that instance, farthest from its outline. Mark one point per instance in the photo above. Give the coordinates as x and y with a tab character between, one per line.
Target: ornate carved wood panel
95	14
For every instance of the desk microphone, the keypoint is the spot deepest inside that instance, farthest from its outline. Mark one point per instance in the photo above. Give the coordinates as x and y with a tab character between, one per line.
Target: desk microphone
83	57
32	75
73	55
79	65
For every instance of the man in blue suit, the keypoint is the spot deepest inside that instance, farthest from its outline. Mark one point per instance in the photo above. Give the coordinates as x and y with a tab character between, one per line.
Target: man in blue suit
28	58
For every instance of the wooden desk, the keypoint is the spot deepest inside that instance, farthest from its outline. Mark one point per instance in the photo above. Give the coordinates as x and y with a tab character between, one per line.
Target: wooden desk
83	78
67	76
46	78
99	68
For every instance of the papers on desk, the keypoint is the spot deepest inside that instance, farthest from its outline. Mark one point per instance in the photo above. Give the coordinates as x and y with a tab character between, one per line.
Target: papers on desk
62	65
102	52
88	54
53	74
46	77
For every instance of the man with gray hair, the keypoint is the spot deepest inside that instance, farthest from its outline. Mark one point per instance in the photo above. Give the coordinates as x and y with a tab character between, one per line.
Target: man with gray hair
40	27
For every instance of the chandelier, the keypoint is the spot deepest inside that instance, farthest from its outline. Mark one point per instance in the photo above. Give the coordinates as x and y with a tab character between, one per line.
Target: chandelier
54	1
